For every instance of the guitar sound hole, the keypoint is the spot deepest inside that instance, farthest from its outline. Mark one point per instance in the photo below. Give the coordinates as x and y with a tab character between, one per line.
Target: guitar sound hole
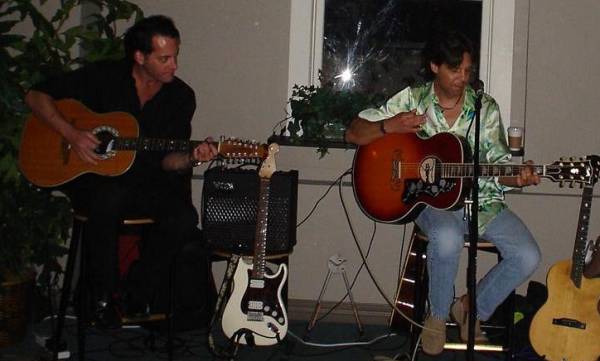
106	147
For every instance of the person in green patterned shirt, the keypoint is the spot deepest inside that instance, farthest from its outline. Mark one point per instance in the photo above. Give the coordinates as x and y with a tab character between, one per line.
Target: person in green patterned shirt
447	104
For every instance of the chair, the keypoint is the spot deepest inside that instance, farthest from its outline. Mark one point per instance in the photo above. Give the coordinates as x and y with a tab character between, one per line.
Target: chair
416	289
77	241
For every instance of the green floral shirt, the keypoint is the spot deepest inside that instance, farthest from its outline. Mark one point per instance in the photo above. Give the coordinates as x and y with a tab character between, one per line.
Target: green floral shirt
492	149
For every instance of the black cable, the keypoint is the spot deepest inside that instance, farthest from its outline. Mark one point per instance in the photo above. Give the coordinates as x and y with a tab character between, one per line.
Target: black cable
338	179
364	258
353	279
343	348
279	123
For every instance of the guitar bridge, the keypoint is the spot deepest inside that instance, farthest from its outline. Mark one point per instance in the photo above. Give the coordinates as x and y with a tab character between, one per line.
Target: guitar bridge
254	316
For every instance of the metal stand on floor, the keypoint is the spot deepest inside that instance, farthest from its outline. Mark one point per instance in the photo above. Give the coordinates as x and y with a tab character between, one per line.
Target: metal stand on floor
336	266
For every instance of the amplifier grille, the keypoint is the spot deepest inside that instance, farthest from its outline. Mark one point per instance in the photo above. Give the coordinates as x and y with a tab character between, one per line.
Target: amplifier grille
229	208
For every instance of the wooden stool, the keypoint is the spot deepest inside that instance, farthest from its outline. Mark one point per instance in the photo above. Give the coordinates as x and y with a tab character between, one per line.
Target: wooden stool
79	222
412	294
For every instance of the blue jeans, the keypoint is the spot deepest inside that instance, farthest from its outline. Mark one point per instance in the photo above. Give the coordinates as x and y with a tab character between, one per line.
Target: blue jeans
446	232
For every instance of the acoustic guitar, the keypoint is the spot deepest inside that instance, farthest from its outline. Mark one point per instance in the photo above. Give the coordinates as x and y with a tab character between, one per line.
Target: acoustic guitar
396	176
47	160
567	326
255	312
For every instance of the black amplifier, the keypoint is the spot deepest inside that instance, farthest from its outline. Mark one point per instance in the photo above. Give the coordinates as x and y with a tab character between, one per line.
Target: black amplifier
229	208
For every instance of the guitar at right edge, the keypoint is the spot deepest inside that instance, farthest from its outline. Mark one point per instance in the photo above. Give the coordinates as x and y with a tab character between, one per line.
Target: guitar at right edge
567	326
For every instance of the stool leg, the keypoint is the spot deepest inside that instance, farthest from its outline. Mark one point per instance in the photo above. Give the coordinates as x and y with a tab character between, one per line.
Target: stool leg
352	303
170	308
510	325
313	319
66	289
82	299
421	290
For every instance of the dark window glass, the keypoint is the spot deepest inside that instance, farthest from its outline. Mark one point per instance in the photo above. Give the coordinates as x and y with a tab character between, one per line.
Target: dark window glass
375	46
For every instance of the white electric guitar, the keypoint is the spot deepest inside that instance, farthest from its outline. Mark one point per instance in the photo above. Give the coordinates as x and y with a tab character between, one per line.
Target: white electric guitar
255	313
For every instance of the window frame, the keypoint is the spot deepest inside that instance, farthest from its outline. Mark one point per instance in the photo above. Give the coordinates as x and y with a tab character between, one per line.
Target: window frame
496	52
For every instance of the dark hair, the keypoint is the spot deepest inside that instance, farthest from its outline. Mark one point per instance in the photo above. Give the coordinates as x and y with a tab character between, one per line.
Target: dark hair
446	48
139	36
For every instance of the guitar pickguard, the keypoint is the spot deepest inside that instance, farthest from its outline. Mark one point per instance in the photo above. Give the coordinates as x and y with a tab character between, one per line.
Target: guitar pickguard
417	188
267	320
430	182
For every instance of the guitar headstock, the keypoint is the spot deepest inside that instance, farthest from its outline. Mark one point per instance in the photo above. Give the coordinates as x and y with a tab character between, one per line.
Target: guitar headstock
268	167
583	171
242	150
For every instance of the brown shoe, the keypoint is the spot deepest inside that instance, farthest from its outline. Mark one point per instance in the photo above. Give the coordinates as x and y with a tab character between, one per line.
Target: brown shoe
460	315
433	336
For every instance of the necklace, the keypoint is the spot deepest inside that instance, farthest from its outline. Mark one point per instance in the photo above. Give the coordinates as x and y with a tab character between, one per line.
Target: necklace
450	108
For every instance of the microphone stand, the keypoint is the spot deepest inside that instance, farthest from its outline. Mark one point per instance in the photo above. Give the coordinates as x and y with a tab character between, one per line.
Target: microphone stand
471	210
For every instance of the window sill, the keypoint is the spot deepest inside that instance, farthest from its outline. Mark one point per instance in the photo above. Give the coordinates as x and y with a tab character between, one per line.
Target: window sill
288	141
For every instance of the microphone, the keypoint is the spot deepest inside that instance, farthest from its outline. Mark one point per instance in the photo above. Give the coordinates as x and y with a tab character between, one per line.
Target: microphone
478	87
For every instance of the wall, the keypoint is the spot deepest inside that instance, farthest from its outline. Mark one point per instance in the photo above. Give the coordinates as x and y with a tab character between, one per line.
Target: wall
554	95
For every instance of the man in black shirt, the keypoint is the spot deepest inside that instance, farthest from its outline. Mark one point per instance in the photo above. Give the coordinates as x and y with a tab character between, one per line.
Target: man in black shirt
157	185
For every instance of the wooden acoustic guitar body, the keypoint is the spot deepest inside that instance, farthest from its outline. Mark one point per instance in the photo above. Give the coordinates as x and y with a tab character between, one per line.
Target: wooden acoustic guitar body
567	327
384	170
47	160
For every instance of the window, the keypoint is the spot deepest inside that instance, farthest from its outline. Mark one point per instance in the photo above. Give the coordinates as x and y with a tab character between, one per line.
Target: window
375	46
307	31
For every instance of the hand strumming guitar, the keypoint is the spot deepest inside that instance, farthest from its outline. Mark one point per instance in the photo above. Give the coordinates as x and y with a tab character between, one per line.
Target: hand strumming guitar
363	132
84	143
406	122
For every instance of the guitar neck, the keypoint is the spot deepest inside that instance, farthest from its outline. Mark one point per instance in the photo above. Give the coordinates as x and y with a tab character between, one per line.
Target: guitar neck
462	170
155	144
578	258
260	239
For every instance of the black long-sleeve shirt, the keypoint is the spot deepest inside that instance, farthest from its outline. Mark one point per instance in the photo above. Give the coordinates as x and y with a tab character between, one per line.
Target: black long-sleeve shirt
109	86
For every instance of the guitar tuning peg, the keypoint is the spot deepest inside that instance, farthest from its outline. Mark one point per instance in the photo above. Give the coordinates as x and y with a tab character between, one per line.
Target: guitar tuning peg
561	184
572	159
581	185
562	159
570	184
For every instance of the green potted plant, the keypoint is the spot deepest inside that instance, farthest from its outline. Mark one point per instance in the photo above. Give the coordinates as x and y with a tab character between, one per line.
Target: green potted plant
323	113
34	223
